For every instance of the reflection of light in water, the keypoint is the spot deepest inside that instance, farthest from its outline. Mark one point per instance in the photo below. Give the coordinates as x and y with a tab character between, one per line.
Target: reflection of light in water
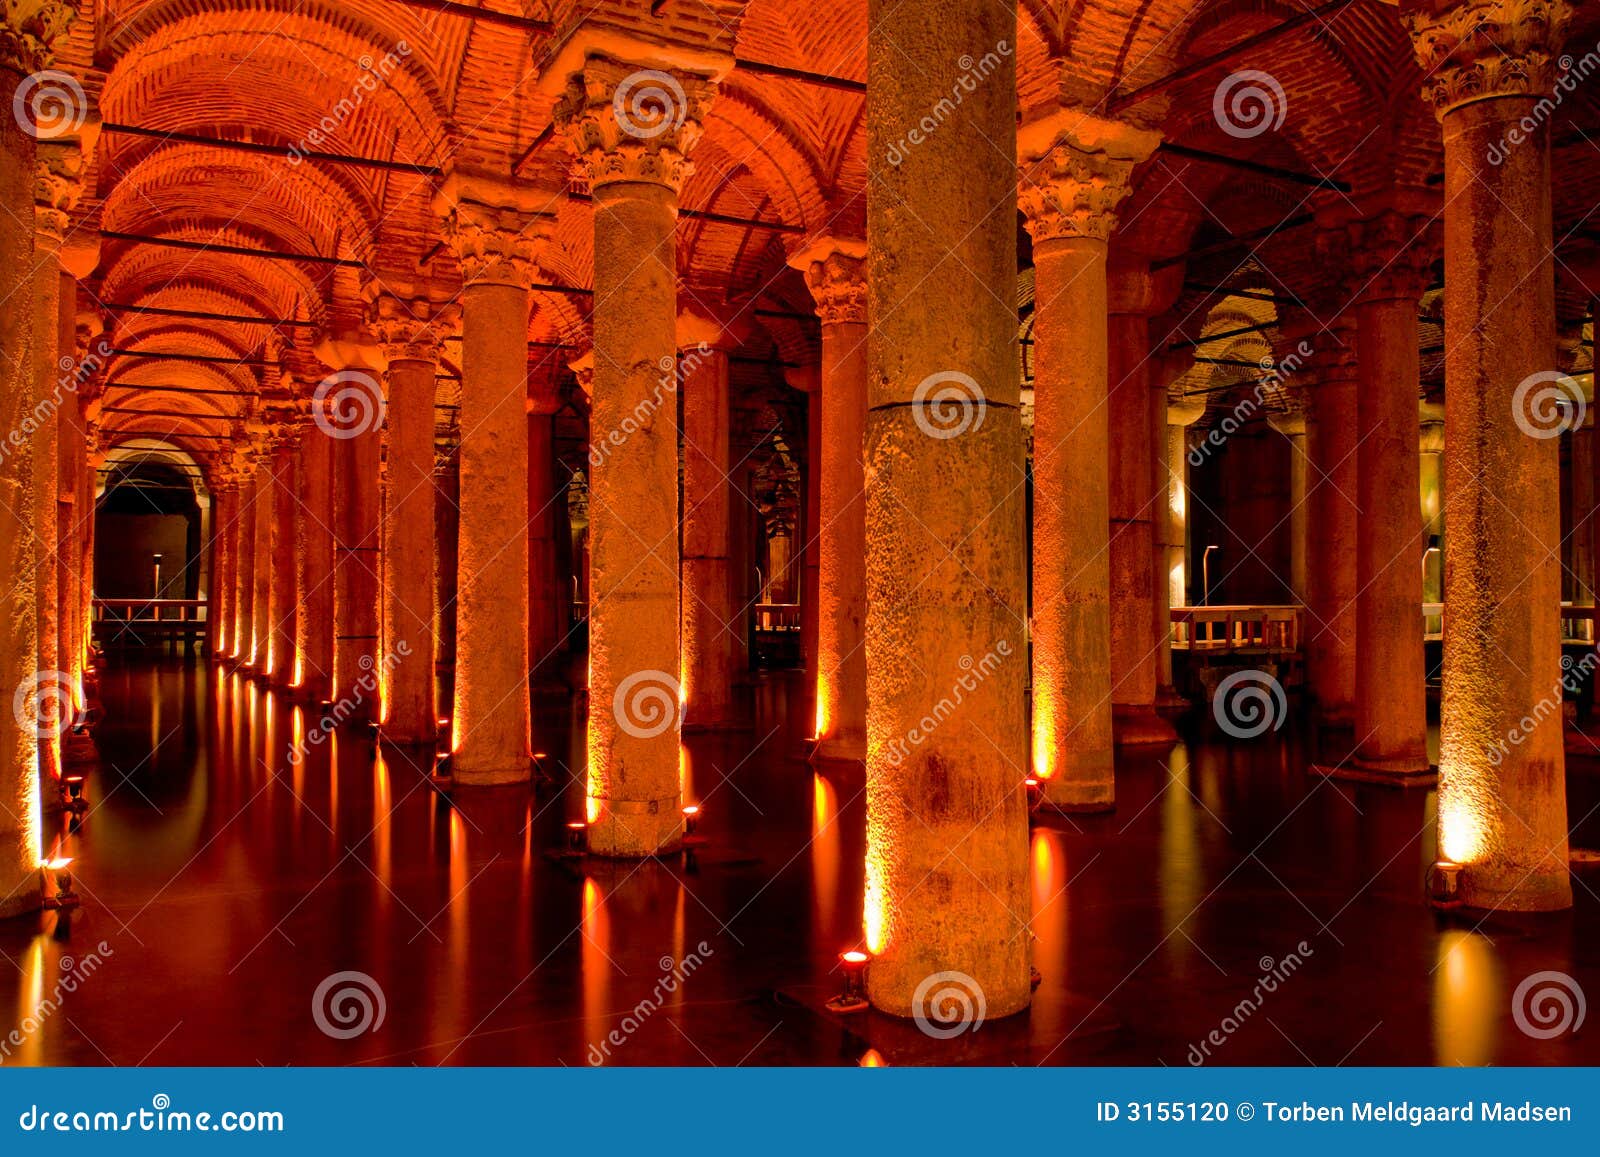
685	773
1467	998
30	995
596	932
1049	904
382	827
824	852
1179	869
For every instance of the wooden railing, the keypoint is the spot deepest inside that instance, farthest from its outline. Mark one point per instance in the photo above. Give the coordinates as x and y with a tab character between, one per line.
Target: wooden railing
1235	629
1577	623
777	617
148	622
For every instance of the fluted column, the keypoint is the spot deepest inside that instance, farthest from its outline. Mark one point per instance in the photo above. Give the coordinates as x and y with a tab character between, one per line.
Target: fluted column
1502	804
947	849
496	230
1330	628
411	332
836	272
1133	296
710	626
635	171
1069	196
315	520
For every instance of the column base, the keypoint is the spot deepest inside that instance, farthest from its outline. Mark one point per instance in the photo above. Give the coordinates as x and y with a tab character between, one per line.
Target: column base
1171	702
1390	775
79	751
845	755
496	775
1136	725
1338	717
1511	890
636	830
726	723
1079	798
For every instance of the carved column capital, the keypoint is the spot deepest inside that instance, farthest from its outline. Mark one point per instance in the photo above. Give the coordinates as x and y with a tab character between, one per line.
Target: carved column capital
835	270
28	30
414	330
1473	49
57	184
633	124
496	228
1391	256
1076	169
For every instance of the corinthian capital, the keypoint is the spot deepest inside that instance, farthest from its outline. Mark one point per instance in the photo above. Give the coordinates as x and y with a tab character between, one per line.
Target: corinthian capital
1471	49
57	184
28	29
496	228
835	269
413	330
1076	169
633	124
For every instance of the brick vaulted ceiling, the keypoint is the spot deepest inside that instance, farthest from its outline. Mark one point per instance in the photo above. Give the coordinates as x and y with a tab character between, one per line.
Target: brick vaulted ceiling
454	86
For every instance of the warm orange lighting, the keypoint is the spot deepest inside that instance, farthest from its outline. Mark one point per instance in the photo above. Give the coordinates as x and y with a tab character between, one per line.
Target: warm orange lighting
1461	827
592	809
854	957
822	722
59	863
872	1059
1043	739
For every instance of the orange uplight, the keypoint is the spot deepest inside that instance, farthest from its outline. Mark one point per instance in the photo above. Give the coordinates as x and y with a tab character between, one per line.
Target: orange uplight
821	722
592	809
854	956
872	1059
59	863
299	670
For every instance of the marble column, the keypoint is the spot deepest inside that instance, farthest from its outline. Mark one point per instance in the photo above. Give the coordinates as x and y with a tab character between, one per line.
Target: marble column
1069	192
54	195
1291	424
1501	804
836	271
220	596
548	588
1430	451
635	172
315	522
1133	295
1329	630
265	500
244	550
947	838
1391	707
496	229
710	627
410	332
1180	416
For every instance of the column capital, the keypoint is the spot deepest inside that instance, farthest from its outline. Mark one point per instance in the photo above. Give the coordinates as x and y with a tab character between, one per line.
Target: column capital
624	123
1391	255
835	270
1076	169
1475	49
57	184
28	30
413	330
582	368
496	228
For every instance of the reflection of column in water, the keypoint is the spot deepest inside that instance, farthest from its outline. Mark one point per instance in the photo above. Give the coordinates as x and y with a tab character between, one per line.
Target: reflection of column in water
824	856
1468	997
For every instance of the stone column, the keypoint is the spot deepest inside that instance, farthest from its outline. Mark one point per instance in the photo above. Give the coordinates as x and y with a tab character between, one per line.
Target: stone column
244	550
447	523
1329	630
710	627
76	493
411	332
220	596
1069	194
1292	425
635	171
285	580
547	593
496	229
1180	416
836	272
266	503
1502	806
1132	297
1391	707
315	529
27	30
947	844
1578	548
